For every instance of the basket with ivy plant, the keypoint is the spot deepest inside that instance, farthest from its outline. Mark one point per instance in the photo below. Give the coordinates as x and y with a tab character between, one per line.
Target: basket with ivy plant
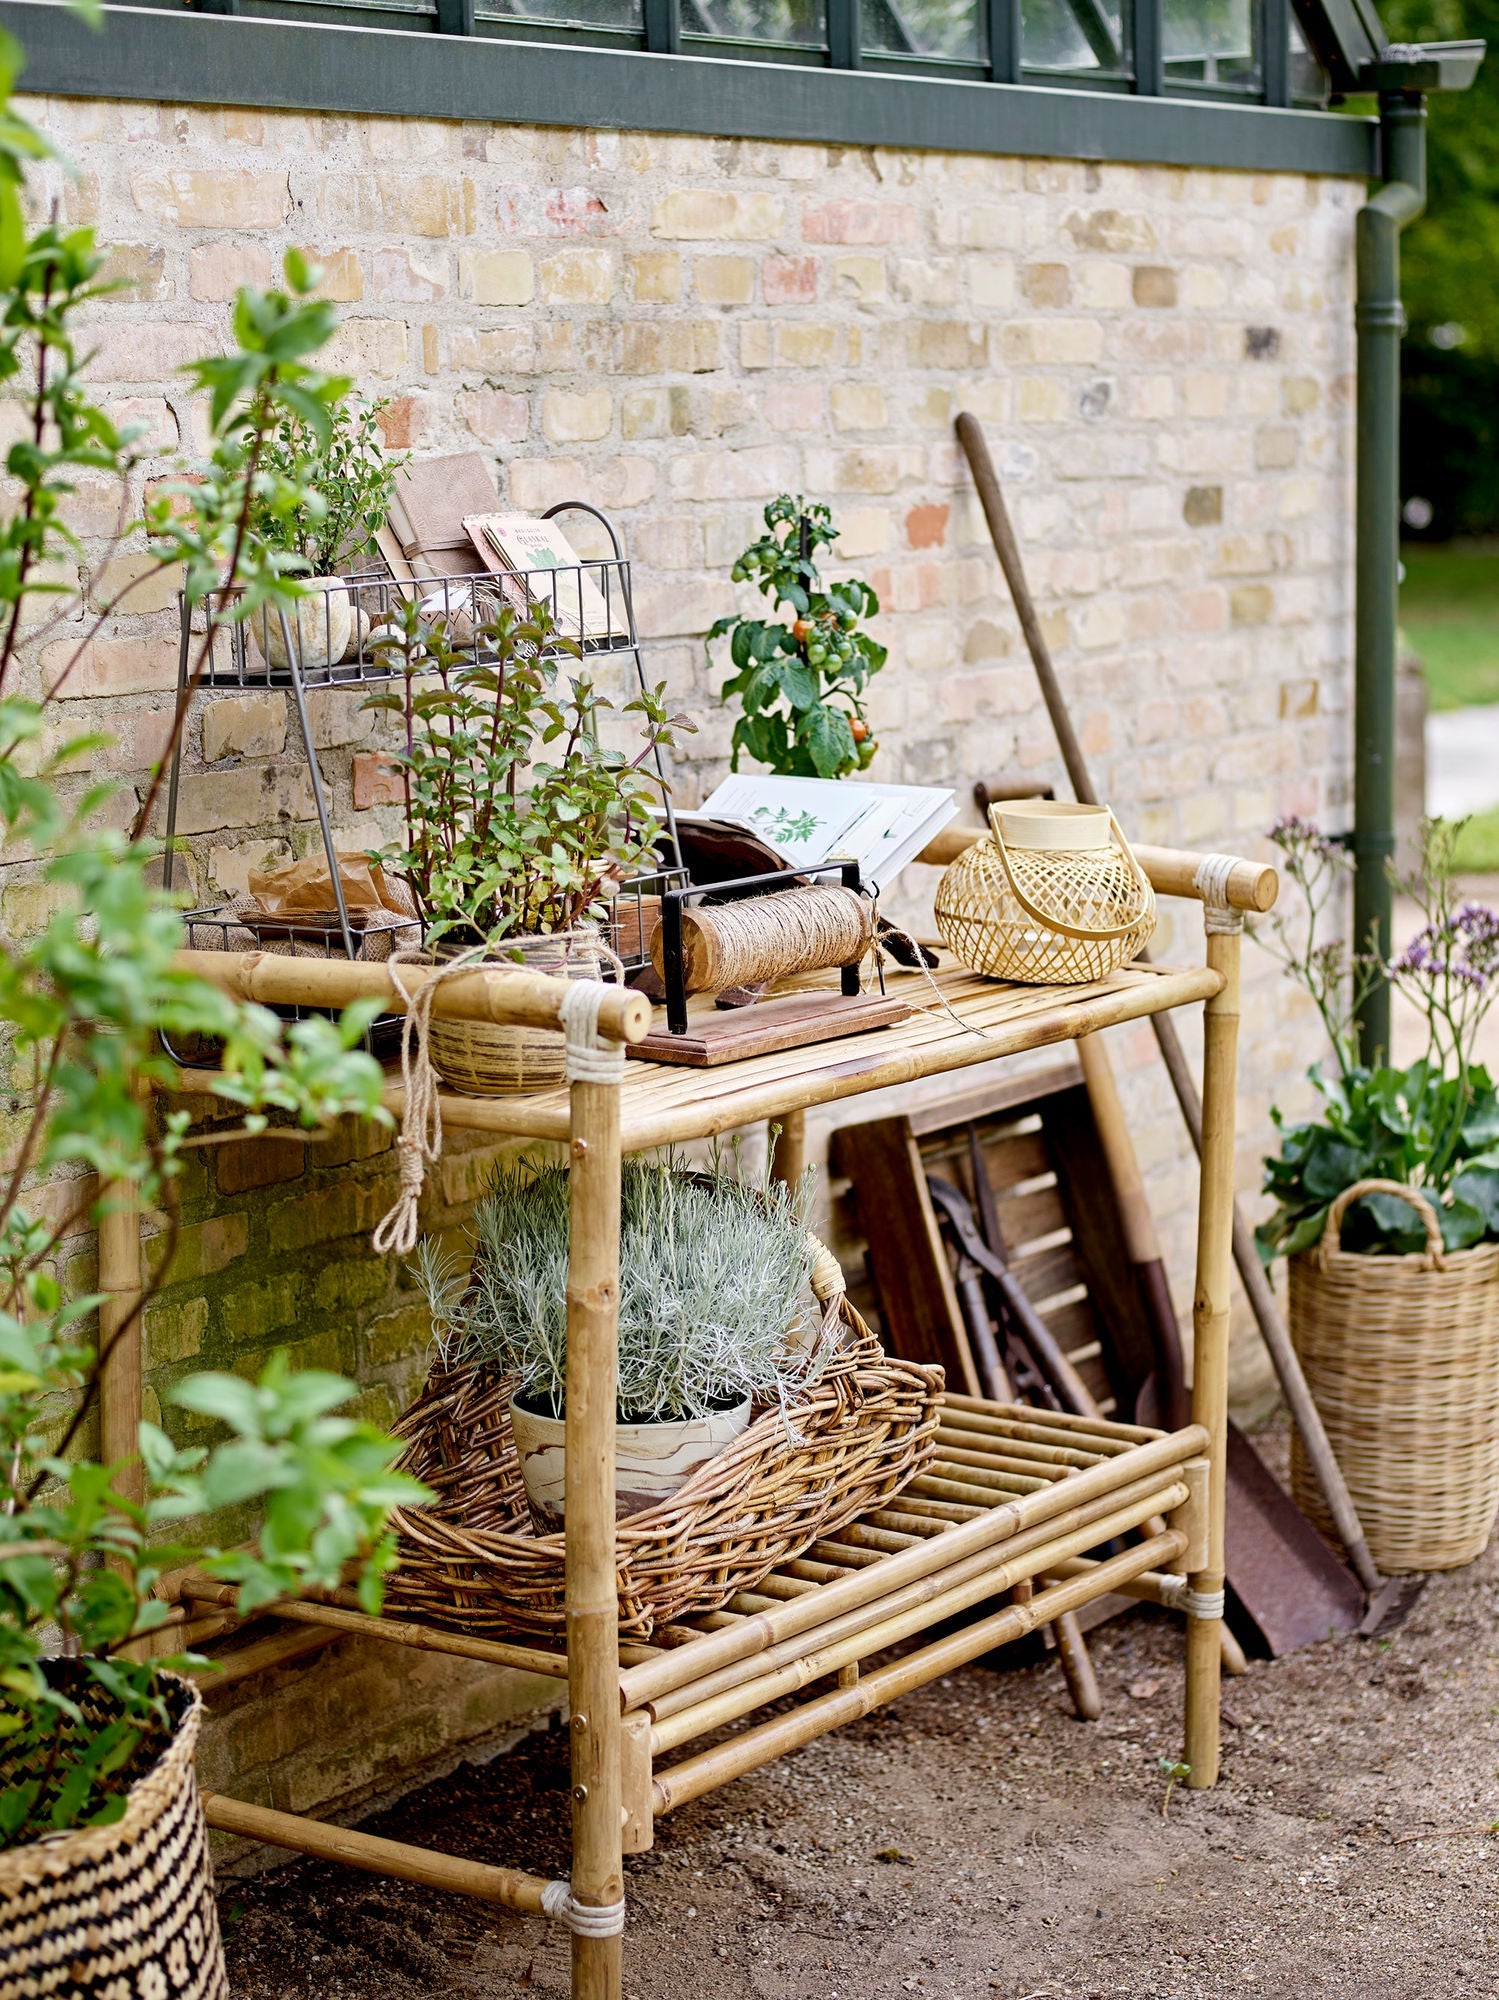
520	820
801	684
727	1305
1387	1206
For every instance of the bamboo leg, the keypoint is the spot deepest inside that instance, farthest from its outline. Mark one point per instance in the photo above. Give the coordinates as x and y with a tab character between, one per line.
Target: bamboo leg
1210	1321
120	1347
789	1148
592	1605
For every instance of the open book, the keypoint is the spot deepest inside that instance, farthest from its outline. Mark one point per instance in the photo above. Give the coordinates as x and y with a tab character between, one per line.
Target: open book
812	820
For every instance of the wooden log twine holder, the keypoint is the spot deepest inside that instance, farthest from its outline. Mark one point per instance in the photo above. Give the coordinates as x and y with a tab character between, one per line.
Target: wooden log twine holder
760	940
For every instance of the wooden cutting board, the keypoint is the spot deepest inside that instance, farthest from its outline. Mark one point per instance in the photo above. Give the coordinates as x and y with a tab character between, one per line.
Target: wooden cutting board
790	1022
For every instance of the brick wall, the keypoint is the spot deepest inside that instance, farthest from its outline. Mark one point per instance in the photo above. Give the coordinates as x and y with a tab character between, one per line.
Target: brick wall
677	329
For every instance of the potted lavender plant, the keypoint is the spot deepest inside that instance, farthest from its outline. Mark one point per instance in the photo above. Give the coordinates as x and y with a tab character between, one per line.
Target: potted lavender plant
1387	1206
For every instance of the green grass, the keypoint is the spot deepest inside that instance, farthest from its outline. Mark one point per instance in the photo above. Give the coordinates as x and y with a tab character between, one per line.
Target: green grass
1449	609
1477	850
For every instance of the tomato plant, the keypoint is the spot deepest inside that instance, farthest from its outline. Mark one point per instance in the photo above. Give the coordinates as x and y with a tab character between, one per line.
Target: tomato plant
801	685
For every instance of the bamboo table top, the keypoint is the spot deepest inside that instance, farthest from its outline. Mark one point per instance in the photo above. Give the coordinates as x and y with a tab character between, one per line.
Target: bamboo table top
664	1105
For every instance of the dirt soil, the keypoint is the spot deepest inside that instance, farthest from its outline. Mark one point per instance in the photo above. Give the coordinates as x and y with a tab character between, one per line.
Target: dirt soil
975	1839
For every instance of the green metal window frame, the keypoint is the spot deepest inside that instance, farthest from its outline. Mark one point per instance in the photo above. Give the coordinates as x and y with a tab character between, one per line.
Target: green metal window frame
164	54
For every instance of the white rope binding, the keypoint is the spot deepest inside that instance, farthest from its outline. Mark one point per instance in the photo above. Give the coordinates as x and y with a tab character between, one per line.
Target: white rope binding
1211	883
1173	1590
1202	1603
590	1058
582	1919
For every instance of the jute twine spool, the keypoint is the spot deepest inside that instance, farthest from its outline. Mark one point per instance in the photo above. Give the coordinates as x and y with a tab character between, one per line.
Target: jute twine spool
772	937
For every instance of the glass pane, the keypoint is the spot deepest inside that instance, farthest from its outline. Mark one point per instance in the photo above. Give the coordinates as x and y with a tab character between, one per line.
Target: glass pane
623	14
797	22
1210	41
1072	34
925	28
1308	78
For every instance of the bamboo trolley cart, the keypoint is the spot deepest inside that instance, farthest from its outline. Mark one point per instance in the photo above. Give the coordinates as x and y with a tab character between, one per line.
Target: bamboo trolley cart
1016	1513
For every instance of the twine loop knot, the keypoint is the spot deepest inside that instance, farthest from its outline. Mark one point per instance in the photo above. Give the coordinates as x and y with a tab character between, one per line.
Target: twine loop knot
595	1920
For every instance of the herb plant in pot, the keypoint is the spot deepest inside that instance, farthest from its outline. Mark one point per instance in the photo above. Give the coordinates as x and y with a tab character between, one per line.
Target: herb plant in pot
714	1315
1387	1206
319	500
520	822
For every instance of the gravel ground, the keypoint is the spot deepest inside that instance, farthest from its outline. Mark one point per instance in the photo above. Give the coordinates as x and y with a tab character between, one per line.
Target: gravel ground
975	1839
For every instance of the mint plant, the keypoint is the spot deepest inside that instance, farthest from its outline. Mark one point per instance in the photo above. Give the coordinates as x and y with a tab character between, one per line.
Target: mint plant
82	1005
801	684
519	822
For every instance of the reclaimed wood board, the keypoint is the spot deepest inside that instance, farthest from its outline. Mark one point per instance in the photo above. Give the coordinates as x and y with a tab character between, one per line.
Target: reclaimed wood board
791	1022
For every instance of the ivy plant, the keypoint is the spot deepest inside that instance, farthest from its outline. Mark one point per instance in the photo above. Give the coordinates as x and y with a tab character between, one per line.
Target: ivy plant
83	1002
331	485
801	684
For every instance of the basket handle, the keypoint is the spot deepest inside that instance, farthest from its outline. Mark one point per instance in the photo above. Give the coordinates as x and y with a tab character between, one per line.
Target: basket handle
828	1281
1110	932
1332	1230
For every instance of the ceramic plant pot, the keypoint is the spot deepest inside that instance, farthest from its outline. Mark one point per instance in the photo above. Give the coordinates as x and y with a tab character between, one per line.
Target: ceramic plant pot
319	625
650	1460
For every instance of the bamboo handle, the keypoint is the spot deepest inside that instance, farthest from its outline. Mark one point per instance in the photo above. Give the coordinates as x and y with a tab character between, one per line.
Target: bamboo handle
487	993
1252	885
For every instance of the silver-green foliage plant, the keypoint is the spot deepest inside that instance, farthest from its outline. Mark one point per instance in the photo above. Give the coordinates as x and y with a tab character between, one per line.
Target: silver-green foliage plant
82	1005
714	1303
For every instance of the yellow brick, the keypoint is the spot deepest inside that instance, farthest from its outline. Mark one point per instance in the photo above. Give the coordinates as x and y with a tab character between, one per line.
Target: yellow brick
1041	399
150	584
1204	287
1251	603
656	277
862	278
992	281
1051	342
215	271
707	215
858	406
251	725
571	419
654	347
577	276
343	275
496	277
1102	284
799	344
724	281
189	198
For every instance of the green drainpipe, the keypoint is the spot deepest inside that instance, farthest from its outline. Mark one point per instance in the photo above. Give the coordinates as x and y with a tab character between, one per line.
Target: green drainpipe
1380	320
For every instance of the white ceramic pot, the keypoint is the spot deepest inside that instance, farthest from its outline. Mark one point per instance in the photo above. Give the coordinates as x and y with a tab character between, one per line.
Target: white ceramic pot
650	1460
321	625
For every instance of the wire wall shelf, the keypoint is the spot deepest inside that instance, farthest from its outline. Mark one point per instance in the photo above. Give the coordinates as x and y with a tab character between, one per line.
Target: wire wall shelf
351	631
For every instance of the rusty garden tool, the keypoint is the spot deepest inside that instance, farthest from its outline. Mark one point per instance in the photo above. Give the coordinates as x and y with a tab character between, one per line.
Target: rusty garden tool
1251	1272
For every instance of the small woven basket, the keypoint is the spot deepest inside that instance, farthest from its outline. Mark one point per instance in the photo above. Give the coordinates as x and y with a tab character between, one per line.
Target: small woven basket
1058	914
122	1912
857	1436
1402	1357
498	1059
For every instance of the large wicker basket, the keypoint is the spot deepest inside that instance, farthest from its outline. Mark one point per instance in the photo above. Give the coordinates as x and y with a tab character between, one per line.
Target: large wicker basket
473	1558
1015	908
122	1912
1402	1356
499	1059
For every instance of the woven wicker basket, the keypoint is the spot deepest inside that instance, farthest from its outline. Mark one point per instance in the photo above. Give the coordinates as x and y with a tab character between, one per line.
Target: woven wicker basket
472	1557
1046	915
1402	1356
122	1912
494	1059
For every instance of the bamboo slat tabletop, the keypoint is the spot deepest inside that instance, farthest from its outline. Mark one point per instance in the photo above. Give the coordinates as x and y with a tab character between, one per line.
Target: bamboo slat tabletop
663	1105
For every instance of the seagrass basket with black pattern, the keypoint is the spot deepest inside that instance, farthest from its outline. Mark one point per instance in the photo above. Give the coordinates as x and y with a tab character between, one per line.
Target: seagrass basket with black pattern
472	1557
121	1912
